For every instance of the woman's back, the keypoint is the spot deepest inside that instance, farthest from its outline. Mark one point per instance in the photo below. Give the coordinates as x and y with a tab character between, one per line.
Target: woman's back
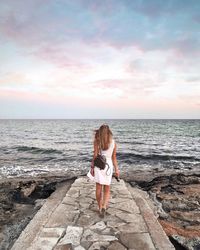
109	151
103	141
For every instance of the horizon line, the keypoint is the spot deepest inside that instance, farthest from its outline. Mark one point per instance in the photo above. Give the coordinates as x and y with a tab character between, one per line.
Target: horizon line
99	118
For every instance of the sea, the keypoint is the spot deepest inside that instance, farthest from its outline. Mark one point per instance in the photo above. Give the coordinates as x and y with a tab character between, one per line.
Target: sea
42	147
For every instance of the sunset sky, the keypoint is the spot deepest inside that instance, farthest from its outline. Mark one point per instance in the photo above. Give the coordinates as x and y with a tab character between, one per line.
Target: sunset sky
100	59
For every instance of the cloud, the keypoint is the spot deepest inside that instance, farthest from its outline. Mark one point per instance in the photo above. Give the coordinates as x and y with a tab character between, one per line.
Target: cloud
131	86
190	99
188	46
13	79
193	79
41	24
95	50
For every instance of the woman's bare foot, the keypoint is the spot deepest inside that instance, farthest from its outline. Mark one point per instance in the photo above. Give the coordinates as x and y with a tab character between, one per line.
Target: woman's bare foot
103	212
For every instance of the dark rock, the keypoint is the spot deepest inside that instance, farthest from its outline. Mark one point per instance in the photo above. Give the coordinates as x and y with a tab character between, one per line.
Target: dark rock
20	199
177	198
189	244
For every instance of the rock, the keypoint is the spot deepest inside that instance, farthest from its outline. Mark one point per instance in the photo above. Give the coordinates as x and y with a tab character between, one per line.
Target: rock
176	199
73	192
162	214
116	246
20	199
99	245
136	220
137	241
114	224
90	235
70	200
64	247
72	236
61	217
117	200
39	203
27	190
190	244
193	216
138	226
79	248
47	238
172	228
87	219
52	232
127	206
171	195
99	226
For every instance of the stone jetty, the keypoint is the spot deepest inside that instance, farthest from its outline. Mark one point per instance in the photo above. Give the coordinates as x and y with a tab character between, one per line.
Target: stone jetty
69	219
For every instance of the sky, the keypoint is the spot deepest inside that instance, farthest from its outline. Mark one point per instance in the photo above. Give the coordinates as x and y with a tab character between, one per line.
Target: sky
100	59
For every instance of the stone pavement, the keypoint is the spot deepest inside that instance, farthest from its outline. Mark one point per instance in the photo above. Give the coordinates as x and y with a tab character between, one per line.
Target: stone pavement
69	219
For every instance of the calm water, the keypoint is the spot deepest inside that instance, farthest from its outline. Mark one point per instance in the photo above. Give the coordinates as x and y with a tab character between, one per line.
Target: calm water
33	147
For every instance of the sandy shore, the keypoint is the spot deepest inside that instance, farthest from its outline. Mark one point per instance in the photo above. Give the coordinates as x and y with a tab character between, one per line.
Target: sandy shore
175	193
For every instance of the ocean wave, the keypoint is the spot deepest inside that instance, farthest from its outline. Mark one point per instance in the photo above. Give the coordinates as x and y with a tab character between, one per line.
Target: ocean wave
131	142
36	150
132	156
61	142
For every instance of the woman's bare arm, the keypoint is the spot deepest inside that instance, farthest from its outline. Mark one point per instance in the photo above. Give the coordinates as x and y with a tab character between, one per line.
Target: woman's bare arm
95	152
114	159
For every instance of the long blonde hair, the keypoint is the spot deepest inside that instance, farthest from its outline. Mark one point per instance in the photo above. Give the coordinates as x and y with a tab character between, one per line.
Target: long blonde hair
103	136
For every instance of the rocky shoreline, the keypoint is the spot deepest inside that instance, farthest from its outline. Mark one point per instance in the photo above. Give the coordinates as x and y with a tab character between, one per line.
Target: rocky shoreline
20	200
176	195
177	199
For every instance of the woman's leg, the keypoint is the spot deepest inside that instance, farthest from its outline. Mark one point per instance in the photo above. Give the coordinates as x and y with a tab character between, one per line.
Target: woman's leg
106	196
99	194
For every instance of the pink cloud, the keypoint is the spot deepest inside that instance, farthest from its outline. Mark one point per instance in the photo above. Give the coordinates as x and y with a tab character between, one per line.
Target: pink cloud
130	107
13	78
109	83
63	57
50	99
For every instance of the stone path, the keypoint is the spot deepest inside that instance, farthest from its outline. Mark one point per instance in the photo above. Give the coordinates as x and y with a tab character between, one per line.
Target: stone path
70	220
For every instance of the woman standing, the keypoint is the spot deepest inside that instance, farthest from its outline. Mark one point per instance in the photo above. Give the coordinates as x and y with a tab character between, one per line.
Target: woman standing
104	143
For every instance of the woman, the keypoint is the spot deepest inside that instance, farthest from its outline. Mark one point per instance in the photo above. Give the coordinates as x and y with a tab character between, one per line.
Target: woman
104	143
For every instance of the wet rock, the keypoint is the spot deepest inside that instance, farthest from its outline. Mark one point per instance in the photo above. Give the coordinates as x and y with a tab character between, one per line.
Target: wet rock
177	199
189	244
20	199
28	189
193	216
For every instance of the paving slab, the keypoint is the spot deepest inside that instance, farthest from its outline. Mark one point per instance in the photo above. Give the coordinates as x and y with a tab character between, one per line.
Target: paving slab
41	218
47	238
74	222
73	235
159	238
137	241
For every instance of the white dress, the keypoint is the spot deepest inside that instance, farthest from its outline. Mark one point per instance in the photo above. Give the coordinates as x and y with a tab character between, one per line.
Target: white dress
104	176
